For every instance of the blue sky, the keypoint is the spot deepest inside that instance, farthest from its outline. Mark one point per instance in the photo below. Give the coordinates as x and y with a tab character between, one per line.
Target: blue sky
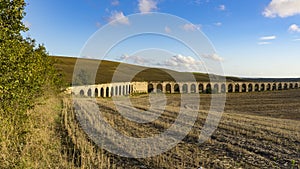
252	38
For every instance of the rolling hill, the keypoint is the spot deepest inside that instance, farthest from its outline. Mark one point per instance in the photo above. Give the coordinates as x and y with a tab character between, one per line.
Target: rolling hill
107	69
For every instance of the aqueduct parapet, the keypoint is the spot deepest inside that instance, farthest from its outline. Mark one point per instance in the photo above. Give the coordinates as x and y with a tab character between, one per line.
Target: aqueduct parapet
127	88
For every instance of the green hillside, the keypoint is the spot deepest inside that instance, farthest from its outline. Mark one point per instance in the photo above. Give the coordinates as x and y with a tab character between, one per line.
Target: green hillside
107	69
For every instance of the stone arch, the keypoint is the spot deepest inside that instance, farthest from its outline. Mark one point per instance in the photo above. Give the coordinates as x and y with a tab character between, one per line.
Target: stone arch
244	87
223	88
237	88
216	88
184	88
120	90
176	88
127	89
81	92
291	86
107	92
150	88
89	93
159	88
96	92
201	88
296	85
285	86
256	87
274	86
279	86
112	91
116	91
230	88
102	92
262	87
168	88
208	88
193	88
250	87
268	86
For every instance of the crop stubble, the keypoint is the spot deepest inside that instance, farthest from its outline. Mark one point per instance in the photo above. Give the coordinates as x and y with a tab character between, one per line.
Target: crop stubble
257	130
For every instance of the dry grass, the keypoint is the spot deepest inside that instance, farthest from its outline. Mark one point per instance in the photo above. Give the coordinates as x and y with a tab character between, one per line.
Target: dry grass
246	140
43	144
246	136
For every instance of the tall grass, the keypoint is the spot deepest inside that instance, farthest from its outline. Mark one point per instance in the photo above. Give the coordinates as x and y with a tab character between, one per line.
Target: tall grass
39	145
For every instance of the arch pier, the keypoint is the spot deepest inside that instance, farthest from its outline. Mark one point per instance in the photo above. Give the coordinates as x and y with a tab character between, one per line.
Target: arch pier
127	88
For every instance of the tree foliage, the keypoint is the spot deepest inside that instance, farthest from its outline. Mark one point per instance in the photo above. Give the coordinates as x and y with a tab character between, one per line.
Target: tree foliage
25	72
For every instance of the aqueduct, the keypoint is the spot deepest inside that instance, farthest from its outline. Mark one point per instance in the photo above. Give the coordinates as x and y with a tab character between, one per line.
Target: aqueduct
127	88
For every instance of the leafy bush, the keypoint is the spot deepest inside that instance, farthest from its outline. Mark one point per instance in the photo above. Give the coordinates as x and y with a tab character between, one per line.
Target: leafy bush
25	71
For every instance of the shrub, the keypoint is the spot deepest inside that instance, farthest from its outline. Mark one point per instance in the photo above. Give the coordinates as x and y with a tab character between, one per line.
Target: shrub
25	71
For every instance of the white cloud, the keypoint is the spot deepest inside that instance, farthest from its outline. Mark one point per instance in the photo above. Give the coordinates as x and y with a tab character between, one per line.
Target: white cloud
191	27
282	8
294	28
264	43
115	2
214	56
218	24
222	7
183	63
118	17
198	2
133	59
265	40
268	37
146	6
124	57
167	29
296	39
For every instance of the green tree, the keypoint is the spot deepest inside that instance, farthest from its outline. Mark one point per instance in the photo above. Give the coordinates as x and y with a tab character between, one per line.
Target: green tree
25	71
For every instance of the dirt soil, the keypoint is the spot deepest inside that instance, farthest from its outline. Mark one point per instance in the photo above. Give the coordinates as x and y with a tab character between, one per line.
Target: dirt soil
257	130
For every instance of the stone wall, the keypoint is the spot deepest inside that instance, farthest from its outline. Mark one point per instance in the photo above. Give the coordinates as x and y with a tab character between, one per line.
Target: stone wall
127	88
